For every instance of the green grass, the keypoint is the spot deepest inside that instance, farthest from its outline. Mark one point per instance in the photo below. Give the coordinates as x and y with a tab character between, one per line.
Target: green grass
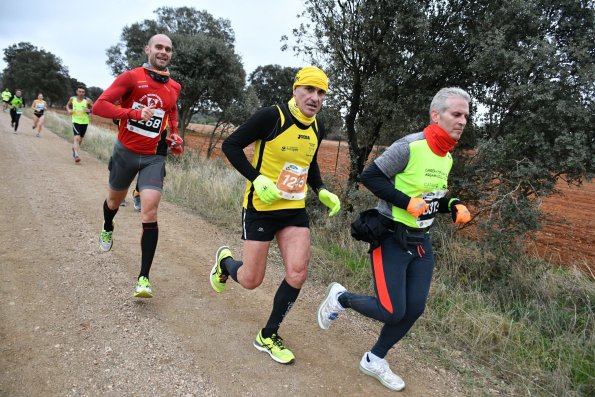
505	321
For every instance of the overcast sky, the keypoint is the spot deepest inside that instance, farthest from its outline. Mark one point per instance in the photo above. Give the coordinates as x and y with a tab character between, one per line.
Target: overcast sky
79	32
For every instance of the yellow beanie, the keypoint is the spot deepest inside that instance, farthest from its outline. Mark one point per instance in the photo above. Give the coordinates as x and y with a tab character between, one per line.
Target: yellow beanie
311	75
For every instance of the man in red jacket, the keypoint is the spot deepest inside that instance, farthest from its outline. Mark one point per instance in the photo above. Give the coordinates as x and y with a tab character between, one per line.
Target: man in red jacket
148	104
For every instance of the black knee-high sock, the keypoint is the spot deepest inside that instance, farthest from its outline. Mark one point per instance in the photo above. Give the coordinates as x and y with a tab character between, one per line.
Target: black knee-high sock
148	245
230	267
284	298
108	217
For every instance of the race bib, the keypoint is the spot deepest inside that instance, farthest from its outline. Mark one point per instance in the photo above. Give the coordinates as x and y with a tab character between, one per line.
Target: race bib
40	106
19	110
150	128
427	218
292	181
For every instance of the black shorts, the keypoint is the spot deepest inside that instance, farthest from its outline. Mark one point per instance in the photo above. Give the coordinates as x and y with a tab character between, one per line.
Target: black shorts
38	114
264	225
125	164
79	129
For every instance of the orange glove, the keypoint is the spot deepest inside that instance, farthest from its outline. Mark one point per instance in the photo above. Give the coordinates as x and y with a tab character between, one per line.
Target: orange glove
460	213
175	144
417	206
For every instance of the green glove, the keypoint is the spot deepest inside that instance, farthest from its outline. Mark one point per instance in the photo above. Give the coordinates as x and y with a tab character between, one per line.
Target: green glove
266	189
330	200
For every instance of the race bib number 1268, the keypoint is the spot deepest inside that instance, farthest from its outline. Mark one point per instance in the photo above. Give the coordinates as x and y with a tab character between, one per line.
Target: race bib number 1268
150	128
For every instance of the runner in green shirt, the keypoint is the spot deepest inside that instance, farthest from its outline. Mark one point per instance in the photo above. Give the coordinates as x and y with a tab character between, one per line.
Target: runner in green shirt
16	104
5	98
79	107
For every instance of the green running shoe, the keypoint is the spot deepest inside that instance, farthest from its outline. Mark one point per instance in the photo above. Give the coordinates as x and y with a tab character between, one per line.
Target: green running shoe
275	347
217	278
105	240
143	288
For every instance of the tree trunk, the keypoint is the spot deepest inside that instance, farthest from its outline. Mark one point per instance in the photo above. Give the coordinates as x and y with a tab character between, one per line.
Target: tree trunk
352	141
358	151
213	138
183	119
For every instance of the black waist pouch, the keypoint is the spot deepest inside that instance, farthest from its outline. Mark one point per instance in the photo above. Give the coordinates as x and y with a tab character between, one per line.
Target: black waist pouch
370	226
407	236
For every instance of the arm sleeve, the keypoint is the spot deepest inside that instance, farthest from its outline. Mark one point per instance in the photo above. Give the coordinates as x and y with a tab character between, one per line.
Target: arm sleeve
173	120
259	126
105	107
314	178
378	183
445	204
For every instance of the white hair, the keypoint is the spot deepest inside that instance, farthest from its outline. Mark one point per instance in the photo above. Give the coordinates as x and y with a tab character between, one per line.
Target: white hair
439	101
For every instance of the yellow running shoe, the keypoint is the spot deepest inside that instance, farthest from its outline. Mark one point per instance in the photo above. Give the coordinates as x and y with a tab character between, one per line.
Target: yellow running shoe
275	347
106	240
143	288
217	278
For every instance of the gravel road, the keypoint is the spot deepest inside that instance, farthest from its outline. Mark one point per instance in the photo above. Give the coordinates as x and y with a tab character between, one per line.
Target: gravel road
70	327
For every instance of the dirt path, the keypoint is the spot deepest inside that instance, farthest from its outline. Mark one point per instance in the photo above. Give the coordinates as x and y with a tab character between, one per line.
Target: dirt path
70	327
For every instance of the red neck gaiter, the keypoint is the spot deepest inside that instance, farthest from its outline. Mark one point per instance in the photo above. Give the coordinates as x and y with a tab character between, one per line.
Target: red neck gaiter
439	140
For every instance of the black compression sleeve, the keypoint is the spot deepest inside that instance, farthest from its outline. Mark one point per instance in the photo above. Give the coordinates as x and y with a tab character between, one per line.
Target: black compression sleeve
259	126
445	204
379	184
314	178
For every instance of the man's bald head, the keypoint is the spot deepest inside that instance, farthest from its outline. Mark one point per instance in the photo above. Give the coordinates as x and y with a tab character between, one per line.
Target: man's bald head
160	37
159	51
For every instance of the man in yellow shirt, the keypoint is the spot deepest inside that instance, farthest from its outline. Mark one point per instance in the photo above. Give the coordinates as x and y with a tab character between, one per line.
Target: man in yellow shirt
5	98
284	169
79	107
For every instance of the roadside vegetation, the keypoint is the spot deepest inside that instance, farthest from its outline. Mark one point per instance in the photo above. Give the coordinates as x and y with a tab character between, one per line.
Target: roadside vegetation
508	322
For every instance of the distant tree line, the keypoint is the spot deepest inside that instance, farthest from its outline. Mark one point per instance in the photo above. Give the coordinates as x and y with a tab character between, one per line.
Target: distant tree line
34	71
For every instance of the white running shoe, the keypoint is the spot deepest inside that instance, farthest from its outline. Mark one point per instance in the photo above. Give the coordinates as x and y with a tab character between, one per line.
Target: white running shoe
136	200
330	308
378	368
